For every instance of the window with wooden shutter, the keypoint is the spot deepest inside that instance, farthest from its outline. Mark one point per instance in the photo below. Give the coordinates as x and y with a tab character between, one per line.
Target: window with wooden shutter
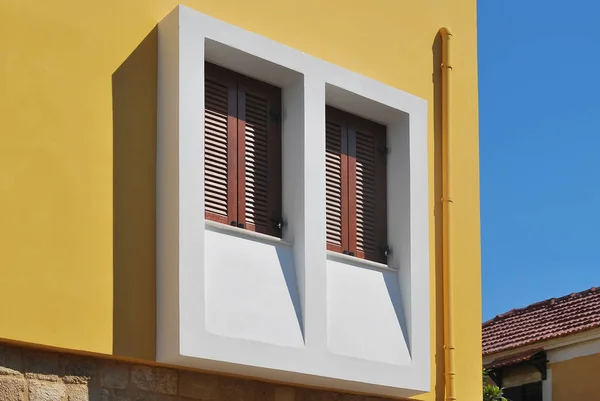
356	186
242	139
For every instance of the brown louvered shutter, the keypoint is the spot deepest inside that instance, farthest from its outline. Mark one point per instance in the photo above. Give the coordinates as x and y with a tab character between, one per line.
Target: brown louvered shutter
242	142
219	146
336	186
259	151
369	237
356	186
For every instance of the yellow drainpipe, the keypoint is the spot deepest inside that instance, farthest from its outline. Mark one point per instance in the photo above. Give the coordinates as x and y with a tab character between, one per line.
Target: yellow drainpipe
448	287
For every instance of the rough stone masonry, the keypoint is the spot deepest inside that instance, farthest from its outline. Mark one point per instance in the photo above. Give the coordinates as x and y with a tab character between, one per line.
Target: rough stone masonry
31	375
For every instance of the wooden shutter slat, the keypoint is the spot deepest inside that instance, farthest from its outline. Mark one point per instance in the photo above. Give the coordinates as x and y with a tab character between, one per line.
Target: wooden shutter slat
214	130
216	137
256	110
213	184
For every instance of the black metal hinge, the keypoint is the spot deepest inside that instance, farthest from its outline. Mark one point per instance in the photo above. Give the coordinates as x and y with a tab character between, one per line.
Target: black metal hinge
236	224
386	251
278	223
275	116
384	150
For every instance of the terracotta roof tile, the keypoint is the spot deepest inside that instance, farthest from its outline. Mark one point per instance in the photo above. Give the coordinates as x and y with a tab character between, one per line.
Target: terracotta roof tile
541	321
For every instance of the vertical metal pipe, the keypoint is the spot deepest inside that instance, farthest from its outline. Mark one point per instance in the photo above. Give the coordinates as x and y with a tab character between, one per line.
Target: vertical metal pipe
448	286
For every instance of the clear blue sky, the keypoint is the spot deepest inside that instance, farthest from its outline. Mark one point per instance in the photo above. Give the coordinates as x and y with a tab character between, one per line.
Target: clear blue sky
539	97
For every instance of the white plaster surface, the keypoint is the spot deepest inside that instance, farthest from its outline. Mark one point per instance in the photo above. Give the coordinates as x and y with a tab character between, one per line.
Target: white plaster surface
251	291
364	314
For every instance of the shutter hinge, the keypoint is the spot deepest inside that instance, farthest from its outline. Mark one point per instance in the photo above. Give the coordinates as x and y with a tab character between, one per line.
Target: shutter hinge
275	116
278	223
384	150
386	251
236	224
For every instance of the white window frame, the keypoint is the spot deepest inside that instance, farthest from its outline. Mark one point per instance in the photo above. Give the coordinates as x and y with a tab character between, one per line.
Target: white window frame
188	38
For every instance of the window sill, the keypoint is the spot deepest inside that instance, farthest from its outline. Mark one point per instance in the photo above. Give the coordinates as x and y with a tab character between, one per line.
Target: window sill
353	260
240	232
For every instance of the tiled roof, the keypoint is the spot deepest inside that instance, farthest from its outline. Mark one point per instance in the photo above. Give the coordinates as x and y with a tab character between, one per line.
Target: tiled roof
556	317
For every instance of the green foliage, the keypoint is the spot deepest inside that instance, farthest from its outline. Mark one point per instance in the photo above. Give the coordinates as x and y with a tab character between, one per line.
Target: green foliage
490	391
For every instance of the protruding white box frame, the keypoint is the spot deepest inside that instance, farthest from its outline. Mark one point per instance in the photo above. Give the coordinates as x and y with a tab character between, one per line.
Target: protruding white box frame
186	39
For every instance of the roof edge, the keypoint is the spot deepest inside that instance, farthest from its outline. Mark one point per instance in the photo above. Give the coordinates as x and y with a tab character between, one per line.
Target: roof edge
533	306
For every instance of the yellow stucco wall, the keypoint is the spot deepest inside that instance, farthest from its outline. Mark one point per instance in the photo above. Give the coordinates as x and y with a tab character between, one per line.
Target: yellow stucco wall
576	379
77	176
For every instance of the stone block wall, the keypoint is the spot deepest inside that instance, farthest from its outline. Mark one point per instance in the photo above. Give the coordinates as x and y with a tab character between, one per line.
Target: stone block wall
31	375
